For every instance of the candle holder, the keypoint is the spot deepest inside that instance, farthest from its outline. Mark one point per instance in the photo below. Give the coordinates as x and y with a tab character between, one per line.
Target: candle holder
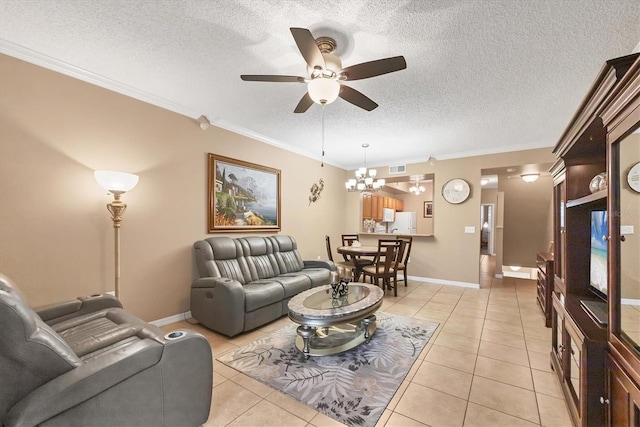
340	282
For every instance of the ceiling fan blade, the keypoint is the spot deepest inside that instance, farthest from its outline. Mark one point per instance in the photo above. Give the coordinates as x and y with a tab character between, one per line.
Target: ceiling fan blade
308	47
356	98
267	78
304	104
374	68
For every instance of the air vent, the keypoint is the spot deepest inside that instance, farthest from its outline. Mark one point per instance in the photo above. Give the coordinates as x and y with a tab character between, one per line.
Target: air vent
397	169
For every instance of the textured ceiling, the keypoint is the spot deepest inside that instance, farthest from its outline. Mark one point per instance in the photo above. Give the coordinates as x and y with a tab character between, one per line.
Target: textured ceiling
482	76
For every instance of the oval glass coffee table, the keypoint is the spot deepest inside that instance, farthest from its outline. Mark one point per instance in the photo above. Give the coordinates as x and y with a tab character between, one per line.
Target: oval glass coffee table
333	325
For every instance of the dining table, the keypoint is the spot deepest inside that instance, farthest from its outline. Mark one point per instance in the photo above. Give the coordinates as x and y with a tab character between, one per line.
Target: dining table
355	253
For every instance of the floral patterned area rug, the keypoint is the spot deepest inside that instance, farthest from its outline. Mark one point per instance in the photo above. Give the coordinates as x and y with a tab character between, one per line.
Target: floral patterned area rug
353	387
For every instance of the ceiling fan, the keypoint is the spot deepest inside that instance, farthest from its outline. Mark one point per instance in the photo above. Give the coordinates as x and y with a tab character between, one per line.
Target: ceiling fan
326	74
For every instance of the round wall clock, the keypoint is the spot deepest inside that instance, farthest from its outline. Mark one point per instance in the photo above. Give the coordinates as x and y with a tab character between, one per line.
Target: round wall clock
633	177
456	191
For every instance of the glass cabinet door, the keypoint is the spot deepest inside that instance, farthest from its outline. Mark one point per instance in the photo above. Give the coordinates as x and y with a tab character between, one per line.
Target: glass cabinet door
560	204
629	242
572	363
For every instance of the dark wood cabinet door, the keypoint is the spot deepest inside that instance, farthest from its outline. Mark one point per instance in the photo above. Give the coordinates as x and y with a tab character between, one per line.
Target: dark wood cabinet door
623	401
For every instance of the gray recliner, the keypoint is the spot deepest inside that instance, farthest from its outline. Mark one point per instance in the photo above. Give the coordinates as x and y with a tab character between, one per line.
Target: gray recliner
92	363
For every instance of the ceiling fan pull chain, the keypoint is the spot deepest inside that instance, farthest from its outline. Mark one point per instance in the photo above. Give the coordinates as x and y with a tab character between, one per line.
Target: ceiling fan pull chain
322	158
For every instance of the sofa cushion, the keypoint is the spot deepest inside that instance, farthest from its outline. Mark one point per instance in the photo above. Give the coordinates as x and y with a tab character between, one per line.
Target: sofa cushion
293	283
286	254
261	293
228	261
318	276
260	259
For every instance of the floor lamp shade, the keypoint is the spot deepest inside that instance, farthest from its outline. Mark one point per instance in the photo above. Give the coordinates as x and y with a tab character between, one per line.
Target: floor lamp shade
116	181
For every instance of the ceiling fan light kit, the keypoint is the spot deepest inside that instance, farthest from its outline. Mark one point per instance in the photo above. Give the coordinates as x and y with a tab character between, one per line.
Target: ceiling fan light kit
324	84
323	90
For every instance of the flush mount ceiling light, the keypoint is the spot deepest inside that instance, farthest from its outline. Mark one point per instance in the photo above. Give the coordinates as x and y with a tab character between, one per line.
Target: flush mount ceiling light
365	180
530	177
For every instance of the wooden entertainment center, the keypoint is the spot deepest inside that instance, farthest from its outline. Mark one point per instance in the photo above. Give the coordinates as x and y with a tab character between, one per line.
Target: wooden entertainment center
598	361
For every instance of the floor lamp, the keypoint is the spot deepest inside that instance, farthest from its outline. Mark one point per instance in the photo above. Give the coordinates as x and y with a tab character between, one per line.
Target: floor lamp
116	183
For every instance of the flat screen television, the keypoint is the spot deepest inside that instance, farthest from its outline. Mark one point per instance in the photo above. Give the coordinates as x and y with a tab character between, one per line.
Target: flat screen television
598	256
598	268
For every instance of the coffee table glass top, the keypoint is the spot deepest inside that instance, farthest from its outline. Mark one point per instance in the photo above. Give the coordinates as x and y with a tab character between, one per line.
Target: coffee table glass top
316	303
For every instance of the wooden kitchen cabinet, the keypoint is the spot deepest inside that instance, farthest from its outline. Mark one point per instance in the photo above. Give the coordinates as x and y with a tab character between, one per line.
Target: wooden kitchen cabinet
367	206
379	204
372	205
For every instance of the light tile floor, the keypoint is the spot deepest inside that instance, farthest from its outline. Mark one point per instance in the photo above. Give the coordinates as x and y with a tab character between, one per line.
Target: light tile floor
486	365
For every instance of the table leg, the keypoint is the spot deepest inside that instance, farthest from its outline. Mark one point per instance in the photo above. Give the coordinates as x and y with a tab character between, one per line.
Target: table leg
357	273
306	332
369	326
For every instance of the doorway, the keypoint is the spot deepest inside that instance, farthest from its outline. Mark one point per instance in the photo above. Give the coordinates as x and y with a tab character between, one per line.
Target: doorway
487	229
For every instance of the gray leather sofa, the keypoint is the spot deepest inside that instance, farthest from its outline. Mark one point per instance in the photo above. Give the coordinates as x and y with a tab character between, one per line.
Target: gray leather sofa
88	362
247	282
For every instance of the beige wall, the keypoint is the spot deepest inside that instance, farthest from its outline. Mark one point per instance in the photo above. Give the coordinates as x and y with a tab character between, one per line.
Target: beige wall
451	254
528	220
56	236
56	239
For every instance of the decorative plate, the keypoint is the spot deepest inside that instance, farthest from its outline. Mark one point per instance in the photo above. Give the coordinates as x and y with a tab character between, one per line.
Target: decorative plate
456	191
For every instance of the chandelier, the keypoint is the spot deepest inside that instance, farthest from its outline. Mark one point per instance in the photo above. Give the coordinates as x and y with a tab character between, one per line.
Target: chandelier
417	189
365	180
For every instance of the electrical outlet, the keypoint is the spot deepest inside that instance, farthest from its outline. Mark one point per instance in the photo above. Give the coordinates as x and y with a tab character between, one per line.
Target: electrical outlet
469	229
626	229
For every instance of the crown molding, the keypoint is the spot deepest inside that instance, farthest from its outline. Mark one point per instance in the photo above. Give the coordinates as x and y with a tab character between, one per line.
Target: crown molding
45	61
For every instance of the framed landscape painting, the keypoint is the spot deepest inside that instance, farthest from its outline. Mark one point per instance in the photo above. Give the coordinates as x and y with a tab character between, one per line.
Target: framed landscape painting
243	196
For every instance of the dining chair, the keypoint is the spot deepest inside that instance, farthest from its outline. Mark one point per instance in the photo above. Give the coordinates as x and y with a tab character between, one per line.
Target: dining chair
344	264
404	258
385	264
349	240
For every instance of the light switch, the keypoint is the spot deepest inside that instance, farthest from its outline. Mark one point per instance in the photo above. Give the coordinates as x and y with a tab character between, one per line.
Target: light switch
469	229
626	229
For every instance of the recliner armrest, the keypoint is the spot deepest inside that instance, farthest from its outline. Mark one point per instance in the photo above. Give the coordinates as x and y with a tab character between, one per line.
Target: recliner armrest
319	264
55	313
83	383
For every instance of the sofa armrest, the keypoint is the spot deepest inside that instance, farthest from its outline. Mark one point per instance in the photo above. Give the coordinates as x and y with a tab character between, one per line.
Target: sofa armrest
219	304
55	313
319	264
83	383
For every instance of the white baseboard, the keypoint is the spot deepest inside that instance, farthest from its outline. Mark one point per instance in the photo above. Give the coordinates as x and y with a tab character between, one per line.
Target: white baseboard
521	273
630	301
172	319
187	315
445	282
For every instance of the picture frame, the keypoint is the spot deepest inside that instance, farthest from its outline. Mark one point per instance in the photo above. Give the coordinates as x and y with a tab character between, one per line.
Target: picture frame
428	210
242	196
